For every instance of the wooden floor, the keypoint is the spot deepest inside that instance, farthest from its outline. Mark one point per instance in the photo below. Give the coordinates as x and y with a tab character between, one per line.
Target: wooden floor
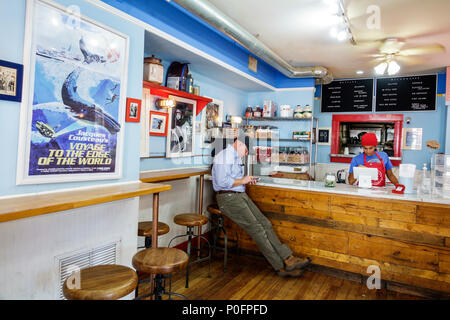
252	278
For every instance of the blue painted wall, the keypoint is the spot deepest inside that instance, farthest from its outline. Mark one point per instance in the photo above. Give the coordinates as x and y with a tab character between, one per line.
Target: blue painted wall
12	28
433	123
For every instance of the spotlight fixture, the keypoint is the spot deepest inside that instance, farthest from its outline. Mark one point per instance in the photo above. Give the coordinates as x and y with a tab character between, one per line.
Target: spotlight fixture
359	72
165	103
341	32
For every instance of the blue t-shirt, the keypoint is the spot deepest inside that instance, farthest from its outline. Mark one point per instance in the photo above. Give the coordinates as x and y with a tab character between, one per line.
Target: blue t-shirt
359	160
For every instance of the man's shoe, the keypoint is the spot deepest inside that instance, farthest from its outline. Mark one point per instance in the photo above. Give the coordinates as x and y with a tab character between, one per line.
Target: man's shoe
296	263
293	273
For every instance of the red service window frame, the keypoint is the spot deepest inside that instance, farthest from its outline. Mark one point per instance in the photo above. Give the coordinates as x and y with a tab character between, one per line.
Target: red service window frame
336	122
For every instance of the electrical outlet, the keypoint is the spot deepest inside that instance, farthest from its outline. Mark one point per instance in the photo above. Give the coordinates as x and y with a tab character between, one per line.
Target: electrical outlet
252	63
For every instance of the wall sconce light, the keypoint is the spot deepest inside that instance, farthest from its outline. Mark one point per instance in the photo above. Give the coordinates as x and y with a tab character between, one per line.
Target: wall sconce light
236	119
165	103
233	119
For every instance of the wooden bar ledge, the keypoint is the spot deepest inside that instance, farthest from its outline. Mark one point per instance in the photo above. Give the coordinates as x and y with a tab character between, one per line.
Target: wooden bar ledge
26	206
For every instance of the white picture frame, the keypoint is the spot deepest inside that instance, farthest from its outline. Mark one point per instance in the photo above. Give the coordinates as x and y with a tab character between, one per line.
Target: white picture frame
56	123
206	132
412	139
183	134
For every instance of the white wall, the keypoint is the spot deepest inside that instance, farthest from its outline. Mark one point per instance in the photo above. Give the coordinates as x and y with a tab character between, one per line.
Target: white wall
29	247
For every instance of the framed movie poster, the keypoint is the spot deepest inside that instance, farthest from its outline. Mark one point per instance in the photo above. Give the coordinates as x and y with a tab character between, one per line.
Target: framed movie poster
180	137
74	93
212	116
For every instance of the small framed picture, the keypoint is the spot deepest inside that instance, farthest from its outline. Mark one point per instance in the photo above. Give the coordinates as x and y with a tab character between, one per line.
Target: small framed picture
158	123
324	136
412	139
133	110
11	75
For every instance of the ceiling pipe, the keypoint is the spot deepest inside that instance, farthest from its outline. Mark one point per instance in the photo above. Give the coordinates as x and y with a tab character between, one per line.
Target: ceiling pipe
209	13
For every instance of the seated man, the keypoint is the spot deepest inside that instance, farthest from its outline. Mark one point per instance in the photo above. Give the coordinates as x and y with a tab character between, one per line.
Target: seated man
229	183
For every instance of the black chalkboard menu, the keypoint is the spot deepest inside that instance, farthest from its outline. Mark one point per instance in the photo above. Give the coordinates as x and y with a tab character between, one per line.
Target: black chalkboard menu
414	93
347	96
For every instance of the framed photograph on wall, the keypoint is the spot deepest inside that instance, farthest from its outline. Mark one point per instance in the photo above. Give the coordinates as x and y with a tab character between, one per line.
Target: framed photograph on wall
74	94
324	136
212	116
158	123
11	75
180	137
412	139
133	110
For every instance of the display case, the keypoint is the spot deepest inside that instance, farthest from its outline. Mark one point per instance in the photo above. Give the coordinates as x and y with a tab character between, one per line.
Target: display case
274	151
440	175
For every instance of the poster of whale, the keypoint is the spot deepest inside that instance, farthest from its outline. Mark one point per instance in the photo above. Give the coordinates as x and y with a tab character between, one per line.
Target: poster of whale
76	94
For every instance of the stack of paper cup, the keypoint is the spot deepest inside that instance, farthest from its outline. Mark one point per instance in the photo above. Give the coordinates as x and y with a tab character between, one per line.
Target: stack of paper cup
406	176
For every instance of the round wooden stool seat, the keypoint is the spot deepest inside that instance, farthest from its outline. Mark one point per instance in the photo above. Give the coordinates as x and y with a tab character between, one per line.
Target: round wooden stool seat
190	219
104	282
145	228
214	209
160	260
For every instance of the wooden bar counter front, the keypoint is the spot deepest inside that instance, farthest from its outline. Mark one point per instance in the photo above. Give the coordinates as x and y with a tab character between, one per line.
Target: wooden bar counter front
408	240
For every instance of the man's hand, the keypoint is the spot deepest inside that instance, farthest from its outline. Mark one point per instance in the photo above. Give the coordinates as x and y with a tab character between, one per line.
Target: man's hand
245	180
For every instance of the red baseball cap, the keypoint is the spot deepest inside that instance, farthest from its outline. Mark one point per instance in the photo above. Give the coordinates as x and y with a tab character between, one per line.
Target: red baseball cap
369	139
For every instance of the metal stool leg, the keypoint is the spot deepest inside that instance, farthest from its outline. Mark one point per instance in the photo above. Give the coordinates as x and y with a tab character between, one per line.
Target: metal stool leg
148	242
190	232
225	239
159	287
209	256
216	230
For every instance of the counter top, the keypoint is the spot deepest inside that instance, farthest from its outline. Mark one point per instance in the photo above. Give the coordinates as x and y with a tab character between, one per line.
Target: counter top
20	207
375	192
169	175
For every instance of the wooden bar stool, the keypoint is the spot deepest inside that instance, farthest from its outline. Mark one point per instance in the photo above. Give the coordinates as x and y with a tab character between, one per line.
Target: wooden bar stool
103	282
160	262
191	220
218	228
145	230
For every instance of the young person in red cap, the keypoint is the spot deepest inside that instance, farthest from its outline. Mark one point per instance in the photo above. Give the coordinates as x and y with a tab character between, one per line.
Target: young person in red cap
373	159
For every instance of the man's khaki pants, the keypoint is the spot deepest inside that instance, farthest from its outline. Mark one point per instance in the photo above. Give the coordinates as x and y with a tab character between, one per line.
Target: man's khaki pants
241	209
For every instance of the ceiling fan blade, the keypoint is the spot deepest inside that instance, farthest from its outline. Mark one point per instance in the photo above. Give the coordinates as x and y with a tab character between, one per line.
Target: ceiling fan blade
429	49
410	60
373	55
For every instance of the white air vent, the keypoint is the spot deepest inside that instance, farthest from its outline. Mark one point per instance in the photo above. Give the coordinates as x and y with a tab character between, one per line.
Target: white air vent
106	254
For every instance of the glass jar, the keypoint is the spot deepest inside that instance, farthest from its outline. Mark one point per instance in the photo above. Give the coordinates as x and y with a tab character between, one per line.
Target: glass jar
305	155
330	180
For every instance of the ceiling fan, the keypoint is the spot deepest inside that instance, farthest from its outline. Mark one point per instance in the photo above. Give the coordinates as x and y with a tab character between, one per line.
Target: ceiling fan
390	51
